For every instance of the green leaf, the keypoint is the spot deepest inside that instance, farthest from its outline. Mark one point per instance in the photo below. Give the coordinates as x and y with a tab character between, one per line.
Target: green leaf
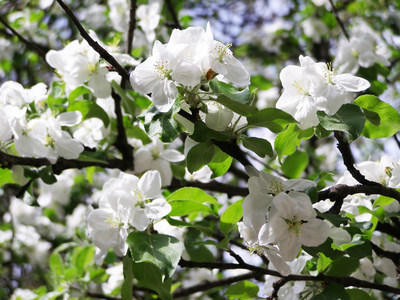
237	107
259	146
230	217
272	118
5	177
243	290
89	110
323	262
202	133
359	251
126	289
56	94
230	91
163	124
343	266
333	291
199	155
79	91
136	132
382	201
389	118
357	294
57	264
336	220
287	141
150	276
46	174
294	165
325	248
84	257
349	118
162	250
220	163
188	200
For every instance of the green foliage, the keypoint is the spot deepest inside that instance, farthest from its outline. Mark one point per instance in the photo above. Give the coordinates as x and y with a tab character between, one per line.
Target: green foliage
189	200
163	251
287	141
237	107
259	146
294	165
349	118
230	217
272	118
200	155
89	110
244	290
220	163
333	291
229	91
382	119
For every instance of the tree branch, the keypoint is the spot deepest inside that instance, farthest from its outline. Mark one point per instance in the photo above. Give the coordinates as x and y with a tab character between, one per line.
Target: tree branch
182	292
132	26
335	13
348	160
172	12
345	281
96	46
122	142
35	47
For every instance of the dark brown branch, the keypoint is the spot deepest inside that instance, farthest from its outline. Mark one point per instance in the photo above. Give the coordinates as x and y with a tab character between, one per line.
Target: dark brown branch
343	190
8	161
214	186
276	286
335	13
122	142
348	160
394	256
132	26
182	292
345	281
95	45
35	47
173	14
388	229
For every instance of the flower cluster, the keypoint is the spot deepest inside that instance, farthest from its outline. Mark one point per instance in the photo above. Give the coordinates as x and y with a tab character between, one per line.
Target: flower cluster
313	87
34	136
278	218
127	203
190	58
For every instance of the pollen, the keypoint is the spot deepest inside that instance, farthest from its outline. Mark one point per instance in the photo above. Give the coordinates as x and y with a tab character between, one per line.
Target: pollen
294	225
114	221
276	186
223	51
162	68
299	86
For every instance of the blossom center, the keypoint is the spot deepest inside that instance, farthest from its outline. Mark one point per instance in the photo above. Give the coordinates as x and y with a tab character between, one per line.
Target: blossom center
300	88
139	197
294	225
161	67
114	221
275	186
222	51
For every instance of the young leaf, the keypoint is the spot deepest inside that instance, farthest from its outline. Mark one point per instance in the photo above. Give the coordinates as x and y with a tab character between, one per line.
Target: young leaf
332	291
389	118
244	290
343	266
272	118
287	141
349	118
199	156
261	147
230	217
202	133
294	165
5	177
162	123
126	289
229	91
162	250
188	200
79	91
220	163
237	107
150	276
89	110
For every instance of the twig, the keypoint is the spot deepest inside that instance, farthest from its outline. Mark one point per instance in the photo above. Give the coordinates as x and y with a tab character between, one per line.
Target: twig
29	44
173	14
345	281
210	284
214	186
132	26
96	46
394	256
122	142
339	20
276	286
348	160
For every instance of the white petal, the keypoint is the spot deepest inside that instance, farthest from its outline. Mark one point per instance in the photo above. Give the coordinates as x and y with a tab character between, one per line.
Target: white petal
150	184
71	118
157	209
172	155
351	83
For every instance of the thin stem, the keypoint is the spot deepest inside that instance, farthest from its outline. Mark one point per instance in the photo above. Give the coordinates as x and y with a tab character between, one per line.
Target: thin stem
336	14
172	12
95	45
